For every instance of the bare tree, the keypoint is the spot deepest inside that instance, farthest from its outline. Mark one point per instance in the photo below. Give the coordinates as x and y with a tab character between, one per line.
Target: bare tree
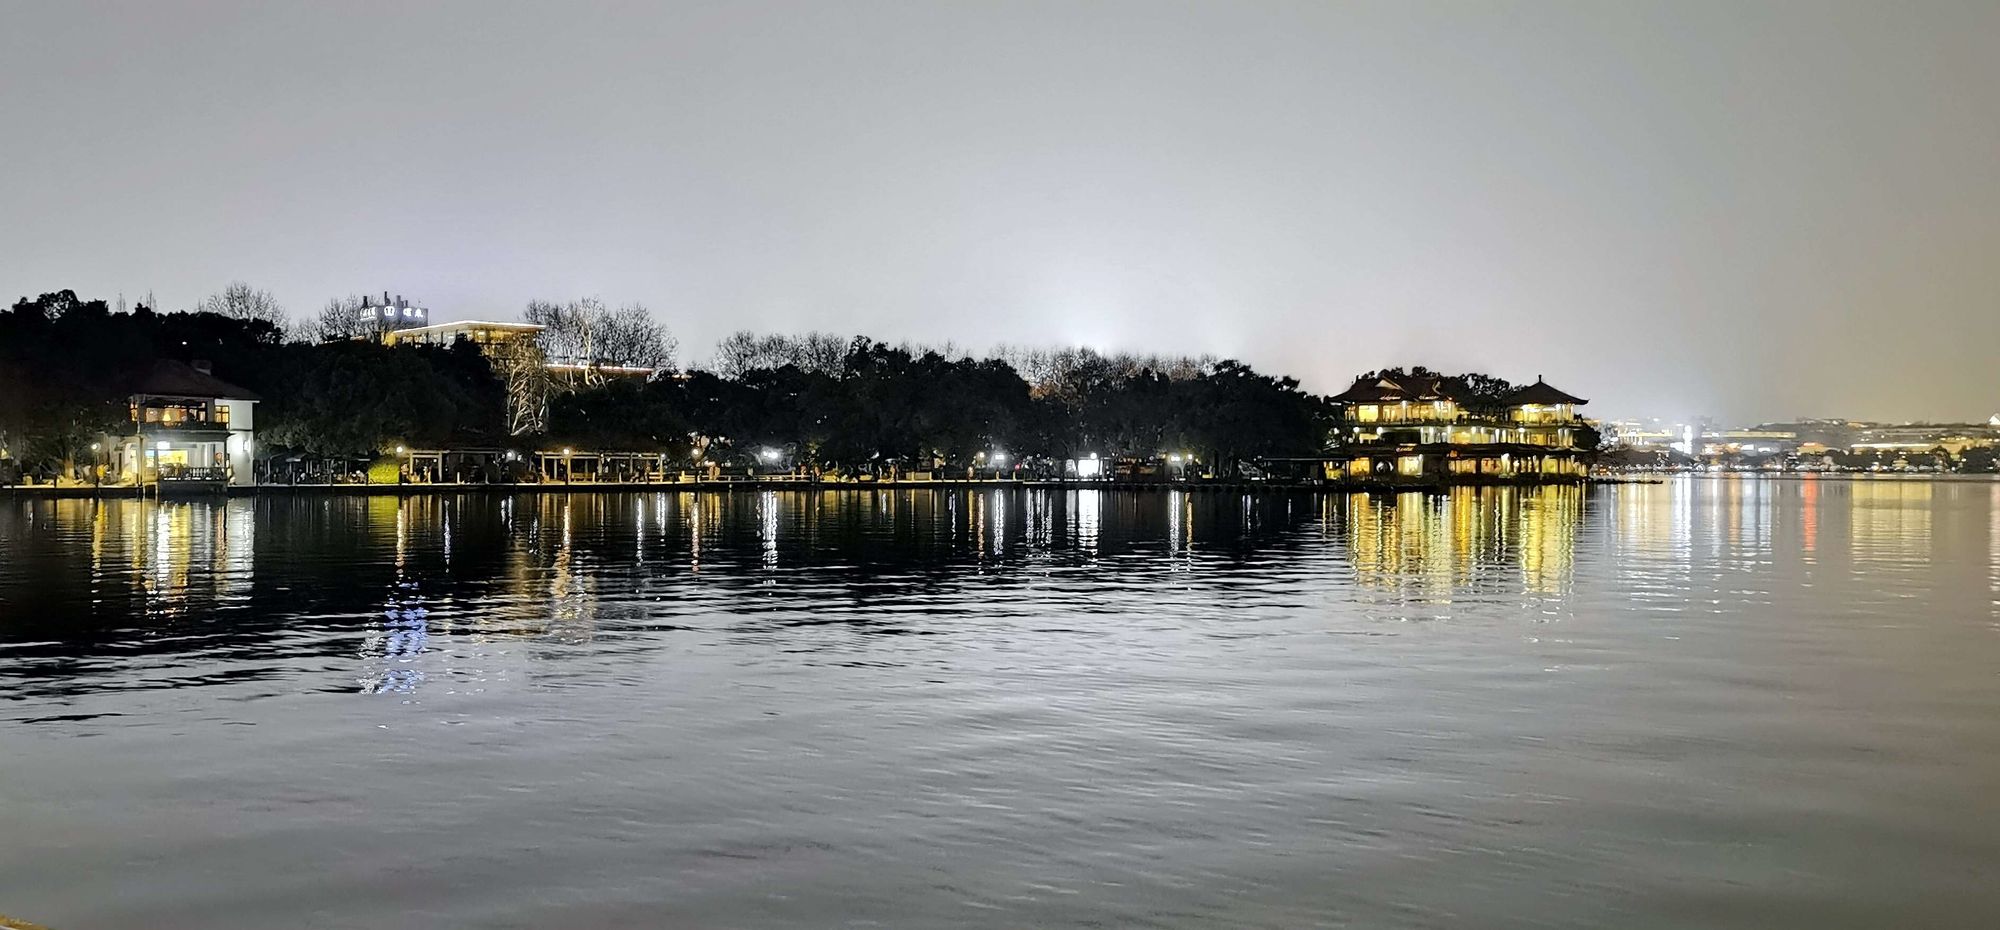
744	351
340	319
586	337
735	354
240	301
822	353
631	337
948	349
1066	373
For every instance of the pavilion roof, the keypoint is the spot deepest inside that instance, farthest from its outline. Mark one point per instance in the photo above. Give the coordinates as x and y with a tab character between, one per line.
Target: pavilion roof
1541	392
1388	391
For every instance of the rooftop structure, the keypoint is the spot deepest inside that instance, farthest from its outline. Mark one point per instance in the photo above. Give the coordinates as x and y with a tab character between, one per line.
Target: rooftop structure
390	315
481	332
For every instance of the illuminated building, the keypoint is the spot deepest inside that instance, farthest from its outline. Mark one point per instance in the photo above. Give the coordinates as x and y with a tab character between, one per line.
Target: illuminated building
485	334
1759	440
1643	434
188	429
390	315
1954	438
1414	431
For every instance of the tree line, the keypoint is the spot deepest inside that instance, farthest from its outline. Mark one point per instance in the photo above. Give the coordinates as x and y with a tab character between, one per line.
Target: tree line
815	399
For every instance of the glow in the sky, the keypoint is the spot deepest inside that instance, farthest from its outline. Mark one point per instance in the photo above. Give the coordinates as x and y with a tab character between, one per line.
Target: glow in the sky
1747	210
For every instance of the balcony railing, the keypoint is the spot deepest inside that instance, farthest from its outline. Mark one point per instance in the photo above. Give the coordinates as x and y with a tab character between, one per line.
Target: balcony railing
181	417
170	473
190	426
1414	414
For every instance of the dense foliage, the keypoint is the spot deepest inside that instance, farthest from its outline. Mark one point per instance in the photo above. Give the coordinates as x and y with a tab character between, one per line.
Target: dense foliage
884	405
67	366
814	400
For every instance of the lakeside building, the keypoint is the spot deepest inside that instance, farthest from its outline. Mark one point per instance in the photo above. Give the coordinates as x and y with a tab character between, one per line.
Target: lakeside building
1759	440
1814	437
1953	438
1413	430
1644	434
188	428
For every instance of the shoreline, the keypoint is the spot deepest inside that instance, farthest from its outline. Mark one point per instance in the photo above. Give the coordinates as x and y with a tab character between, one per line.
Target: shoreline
47	492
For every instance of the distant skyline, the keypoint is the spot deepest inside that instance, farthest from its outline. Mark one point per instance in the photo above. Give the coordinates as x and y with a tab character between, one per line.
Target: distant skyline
1750	211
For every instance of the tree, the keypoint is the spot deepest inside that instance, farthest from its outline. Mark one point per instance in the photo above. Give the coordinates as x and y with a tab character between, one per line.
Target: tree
1978	460
815	352
240	301
627	415
356	397
587	337
339	319
735	354
1587	436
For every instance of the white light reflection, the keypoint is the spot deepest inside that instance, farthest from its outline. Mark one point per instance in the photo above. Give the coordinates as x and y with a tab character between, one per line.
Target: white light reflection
1993	544
998	519
1089	517
767	527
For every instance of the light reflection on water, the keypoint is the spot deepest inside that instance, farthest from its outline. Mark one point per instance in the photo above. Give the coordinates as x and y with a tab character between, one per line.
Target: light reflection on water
1706	702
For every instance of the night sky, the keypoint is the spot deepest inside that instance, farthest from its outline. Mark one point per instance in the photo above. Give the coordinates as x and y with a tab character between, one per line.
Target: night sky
1746	210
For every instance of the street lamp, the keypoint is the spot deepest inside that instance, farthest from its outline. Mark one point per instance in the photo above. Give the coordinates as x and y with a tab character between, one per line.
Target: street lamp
769	454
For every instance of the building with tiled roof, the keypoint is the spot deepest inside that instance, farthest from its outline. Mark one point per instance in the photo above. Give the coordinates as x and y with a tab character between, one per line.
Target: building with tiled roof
1412	430
187	429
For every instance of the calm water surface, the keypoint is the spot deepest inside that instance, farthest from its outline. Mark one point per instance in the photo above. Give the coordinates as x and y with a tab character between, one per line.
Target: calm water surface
1708	703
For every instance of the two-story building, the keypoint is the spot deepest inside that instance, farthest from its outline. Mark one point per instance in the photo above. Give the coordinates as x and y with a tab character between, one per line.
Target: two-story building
187	429
1413	431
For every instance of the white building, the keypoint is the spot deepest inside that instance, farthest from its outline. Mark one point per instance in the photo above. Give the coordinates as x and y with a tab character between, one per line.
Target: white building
188	428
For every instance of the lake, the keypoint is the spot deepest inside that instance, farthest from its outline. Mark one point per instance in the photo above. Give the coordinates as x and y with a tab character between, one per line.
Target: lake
1713	702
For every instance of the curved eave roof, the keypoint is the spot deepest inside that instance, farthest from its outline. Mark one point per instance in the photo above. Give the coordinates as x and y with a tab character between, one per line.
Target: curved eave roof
1385	391
1541	392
